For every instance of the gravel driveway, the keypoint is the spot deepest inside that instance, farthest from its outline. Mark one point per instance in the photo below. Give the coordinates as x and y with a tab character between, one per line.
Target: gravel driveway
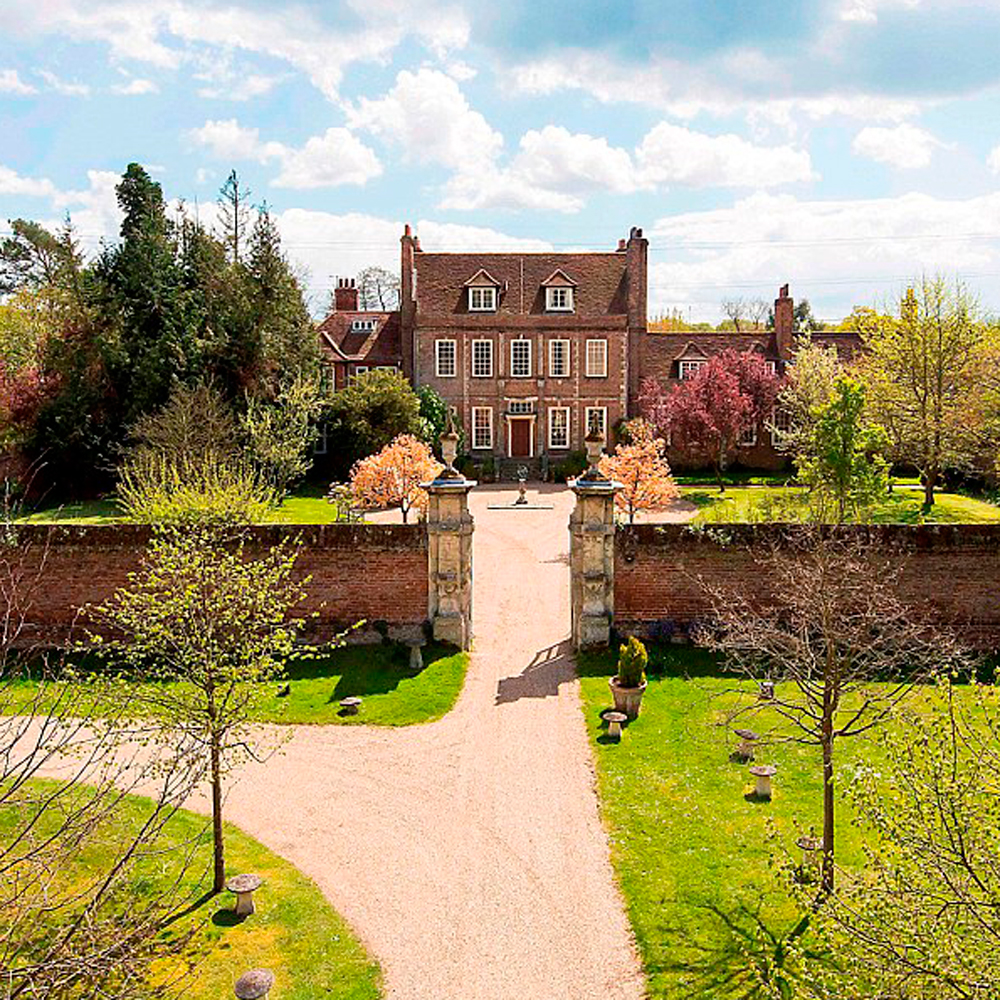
468	854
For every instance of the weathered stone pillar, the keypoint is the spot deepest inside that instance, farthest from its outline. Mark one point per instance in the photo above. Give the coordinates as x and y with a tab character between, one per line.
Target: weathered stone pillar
449	544
592	554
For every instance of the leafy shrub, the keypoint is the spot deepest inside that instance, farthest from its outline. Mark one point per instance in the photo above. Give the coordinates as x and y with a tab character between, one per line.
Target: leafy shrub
632	662
155	489
573	465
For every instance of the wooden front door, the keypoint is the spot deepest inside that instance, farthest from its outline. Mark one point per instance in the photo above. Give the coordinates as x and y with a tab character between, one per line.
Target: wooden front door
520	437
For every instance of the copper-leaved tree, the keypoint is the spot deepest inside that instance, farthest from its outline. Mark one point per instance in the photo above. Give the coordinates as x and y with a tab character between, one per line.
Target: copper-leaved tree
640	467
392	477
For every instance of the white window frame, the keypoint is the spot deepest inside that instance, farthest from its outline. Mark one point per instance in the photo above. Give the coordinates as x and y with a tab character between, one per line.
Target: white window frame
524	342
362	325
567	367
748	439
482	298
771	366
603	411
553	295
776	430
487	369
521	407
591	369
553	410
438	367
359	370
321	443
477	443
688	368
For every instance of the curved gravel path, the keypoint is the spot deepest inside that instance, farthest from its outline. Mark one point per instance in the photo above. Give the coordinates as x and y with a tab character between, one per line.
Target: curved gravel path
468	854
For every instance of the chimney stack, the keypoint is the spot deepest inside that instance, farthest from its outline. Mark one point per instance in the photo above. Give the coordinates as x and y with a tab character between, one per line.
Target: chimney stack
784	323
345	296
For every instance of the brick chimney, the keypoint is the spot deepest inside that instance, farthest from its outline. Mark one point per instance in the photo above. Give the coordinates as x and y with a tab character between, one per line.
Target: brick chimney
345	296
408	247
784	323
636	250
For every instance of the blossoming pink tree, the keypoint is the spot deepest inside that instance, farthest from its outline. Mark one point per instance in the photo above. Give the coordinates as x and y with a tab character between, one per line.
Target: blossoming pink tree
392	477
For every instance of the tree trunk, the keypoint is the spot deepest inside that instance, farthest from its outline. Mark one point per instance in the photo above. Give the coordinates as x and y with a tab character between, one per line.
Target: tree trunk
219	863
930	480
404	512
827	740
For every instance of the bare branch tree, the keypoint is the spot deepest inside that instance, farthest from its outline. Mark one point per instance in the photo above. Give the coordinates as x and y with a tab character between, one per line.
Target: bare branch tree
735	310
86	933
832	633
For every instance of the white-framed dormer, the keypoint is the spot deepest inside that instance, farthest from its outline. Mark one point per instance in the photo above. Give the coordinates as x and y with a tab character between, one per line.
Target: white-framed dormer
560	292
482	292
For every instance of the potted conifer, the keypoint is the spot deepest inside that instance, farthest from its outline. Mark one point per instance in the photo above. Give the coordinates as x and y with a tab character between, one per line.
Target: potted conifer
629	683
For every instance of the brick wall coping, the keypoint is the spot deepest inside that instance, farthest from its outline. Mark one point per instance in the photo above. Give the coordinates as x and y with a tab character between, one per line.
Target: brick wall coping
912	536
371	537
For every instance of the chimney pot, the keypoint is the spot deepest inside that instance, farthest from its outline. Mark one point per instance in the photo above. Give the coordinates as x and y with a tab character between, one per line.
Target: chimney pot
406	230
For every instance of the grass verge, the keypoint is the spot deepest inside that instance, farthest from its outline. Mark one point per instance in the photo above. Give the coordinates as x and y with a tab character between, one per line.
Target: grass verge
295	933
392	694
697	859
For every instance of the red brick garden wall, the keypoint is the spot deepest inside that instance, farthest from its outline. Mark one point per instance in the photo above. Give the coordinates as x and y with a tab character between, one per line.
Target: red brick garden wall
372	572
950	573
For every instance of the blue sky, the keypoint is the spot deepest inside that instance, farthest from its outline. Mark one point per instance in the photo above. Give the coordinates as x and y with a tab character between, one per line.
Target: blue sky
840	145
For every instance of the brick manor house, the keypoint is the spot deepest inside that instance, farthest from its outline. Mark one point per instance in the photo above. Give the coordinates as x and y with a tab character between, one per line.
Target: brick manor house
534	349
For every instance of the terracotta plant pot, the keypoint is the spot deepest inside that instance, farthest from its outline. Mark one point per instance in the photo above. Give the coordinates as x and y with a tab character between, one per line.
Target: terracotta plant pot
627	700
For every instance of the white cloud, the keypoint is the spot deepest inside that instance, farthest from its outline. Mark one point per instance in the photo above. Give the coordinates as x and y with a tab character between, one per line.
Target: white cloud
993	161
136	87
672	154
334	158
427	114
11	83
229	140
64	87
836	253
165	33
684	91
12	183
905	146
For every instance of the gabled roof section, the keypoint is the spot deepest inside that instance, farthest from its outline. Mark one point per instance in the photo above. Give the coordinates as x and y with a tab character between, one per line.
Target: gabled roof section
482	279
559	279
691	351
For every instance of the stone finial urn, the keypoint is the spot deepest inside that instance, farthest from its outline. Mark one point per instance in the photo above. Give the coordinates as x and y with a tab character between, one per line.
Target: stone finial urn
594	443
449	448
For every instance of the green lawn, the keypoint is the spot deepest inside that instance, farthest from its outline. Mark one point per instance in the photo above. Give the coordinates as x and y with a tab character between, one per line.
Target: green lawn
904	506
696	860
306	506
392	695
294	932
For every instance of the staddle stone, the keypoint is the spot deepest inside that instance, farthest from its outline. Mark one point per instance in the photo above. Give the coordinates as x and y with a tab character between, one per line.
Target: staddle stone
254	984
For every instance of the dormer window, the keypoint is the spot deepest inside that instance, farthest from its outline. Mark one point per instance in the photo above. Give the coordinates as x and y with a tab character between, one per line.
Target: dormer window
559	299
482	299
559	292
362	325
482	292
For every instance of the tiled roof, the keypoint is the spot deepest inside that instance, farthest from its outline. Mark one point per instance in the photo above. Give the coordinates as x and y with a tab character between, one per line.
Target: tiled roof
340	342
601	281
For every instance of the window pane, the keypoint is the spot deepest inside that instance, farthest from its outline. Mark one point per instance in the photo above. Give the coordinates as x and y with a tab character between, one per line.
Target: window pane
445	358
482	427
597	358
558	358
559	427
520	358
596	420
482	358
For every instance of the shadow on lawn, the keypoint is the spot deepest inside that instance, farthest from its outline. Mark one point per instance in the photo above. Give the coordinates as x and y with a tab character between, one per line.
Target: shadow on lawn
742	955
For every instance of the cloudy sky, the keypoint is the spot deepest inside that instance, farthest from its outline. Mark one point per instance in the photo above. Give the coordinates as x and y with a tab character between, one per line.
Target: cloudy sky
839	145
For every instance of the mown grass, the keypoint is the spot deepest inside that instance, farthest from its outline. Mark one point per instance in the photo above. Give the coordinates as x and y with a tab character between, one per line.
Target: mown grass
904	506
392	694
306	506
295	933
698	861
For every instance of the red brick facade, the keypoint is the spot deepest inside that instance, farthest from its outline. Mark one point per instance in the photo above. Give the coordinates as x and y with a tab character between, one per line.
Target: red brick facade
505	337
950	573
374	572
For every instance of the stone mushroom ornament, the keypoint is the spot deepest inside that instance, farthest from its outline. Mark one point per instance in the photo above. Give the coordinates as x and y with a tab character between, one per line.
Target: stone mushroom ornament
763	773
748	739
614	721
244	886
254	984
